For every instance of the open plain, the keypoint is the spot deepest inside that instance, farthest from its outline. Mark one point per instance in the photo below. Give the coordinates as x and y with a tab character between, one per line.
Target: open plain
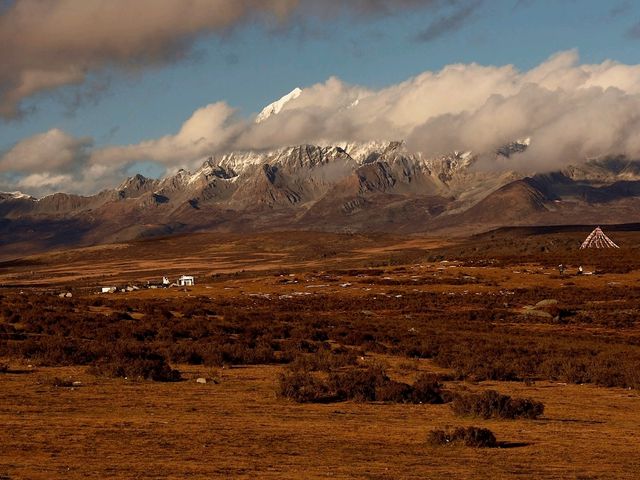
90	385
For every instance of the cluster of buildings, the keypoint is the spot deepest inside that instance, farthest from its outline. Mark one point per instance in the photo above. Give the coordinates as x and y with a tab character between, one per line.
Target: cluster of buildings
183	281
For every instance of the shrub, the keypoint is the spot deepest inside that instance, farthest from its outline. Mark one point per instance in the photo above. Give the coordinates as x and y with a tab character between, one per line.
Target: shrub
469	437
55	350
303	387
491	404
368	384
392	391
4	367
325	360
428	389
141	365
358	384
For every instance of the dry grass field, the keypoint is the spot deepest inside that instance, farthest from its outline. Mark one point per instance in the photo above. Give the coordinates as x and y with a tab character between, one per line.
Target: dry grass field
111	428
490	313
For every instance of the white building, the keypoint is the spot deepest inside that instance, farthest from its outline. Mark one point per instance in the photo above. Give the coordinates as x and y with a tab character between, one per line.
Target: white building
186	281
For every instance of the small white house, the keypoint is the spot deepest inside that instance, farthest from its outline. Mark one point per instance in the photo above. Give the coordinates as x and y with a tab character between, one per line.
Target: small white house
186	281
109	289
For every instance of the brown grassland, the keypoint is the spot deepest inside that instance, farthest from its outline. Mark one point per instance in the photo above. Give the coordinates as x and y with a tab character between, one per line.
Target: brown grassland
326	356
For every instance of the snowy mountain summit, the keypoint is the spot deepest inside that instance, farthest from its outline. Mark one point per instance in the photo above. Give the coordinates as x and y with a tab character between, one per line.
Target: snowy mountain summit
277	106
14	195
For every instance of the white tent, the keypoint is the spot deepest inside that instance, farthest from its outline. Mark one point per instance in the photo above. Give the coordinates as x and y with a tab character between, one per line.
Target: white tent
597	239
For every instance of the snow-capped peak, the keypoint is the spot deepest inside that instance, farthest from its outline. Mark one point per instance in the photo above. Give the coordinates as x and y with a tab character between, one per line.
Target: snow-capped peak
276	107
16	195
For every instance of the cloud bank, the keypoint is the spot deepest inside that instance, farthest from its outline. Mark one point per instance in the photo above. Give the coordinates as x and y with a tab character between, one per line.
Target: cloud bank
50	44
571	111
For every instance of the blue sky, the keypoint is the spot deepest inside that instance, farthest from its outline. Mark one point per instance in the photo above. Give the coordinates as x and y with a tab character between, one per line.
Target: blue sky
255	63
252	66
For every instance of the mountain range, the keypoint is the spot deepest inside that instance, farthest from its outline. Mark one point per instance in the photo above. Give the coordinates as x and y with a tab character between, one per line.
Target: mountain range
378	186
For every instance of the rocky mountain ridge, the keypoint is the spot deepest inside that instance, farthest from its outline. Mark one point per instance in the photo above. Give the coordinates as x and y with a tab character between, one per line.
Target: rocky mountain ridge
377	186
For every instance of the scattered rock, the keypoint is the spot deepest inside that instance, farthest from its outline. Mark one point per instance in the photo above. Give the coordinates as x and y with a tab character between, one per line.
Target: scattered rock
538	313
546	303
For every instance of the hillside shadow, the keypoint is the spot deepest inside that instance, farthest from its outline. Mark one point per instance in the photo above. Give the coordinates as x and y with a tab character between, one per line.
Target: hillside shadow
513	444
574	420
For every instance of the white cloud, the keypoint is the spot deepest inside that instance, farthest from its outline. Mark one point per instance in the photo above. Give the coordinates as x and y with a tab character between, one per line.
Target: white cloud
53	150
209	129
54	161
571	111
44	182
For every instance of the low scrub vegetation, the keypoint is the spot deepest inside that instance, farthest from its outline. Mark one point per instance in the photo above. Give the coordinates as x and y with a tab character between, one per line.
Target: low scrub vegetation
491	404
477	337
324	359
303	386
469	437
136	365
360	384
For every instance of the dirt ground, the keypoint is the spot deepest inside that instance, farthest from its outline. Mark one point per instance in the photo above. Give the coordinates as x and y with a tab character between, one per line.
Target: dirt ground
235	426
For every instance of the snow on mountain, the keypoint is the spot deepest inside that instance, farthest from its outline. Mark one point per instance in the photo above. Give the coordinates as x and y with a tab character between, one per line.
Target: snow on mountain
276	107
19	195
360	152
15	195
